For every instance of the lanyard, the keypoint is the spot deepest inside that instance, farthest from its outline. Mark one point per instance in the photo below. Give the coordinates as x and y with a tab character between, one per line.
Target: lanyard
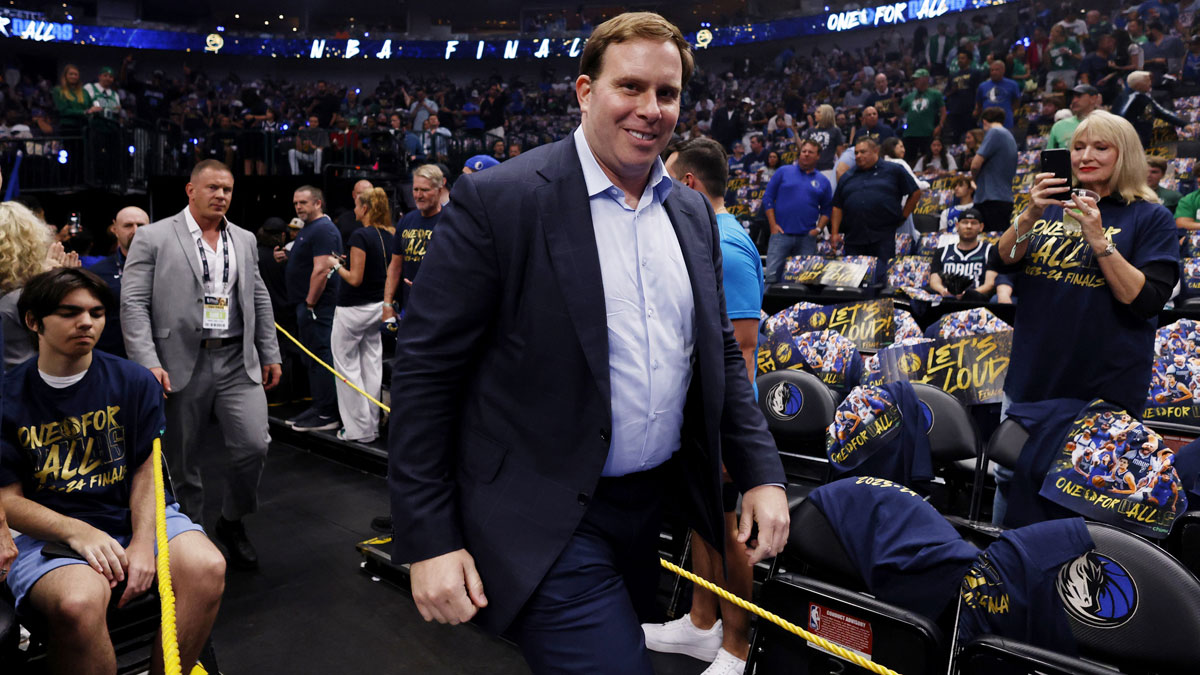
204	260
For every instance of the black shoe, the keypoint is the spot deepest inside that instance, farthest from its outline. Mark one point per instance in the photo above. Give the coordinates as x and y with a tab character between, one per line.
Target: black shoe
382	524
239	551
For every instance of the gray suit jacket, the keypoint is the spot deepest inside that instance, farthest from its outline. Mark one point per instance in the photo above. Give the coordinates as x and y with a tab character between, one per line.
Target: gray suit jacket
161	296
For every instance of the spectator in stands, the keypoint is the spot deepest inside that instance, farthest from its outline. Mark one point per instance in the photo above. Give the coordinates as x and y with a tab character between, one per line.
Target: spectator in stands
998	92
936	162
26	251
866	205
1097	25
1190	74
219	353
435	140
413	233
347	222
962	83
313	294
1185	213
1163	53
797	204
872	127
1064	55
701	165
756	159
324	105
729	123
857	97
1114	285
737	157
72	102
272	267
1166	11
993	168
1140	108
1018	65
514	149
1102	68
1085	99
356	343
769	169
969	257
963	189
938	49
1041	125
883	99
826	134
499	150
492	111
781	122
108	523
422	107
845	162
924	114
105	100
311	142
124	226
478	163
1157	169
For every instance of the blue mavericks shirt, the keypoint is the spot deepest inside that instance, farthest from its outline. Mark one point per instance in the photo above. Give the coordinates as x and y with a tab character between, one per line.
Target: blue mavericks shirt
907	553
1011	592
1066	303
75	450
991	94
320	237
799	198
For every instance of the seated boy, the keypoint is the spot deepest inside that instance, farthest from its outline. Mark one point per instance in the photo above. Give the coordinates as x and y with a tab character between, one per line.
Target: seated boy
76	433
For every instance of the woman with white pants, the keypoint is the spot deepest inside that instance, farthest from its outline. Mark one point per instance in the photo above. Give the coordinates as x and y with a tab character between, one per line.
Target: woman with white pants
357	345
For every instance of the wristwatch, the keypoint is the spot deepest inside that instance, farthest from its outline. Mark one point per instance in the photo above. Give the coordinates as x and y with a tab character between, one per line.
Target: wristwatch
1108	250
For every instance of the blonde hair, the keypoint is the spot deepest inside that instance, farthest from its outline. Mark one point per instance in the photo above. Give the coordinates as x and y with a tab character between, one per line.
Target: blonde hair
824	115
1137	76
1129	175
431	173
379	208
24	241
75	93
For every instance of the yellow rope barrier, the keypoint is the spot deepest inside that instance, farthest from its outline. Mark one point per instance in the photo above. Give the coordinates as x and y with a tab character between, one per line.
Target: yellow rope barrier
790	627
166	594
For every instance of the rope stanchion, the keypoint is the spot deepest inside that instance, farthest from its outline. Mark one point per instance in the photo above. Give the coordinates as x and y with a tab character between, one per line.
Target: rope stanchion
166	594
790	627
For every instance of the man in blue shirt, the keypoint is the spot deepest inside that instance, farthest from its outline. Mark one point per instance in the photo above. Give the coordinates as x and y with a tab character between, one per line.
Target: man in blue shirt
797	203
998	92
701	164
110	269
867	203
994	165
314	294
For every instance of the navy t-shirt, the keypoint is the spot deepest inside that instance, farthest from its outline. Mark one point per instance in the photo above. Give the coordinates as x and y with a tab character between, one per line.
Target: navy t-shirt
870	201
318	238
75	450
413	233
1066	306
377	245
908	553
1011	590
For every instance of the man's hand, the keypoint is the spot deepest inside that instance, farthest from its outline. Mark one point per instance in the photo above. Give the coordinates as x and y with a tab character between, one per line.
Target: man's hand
163	379
815	232
775	229
141	570
280	254
271	374
388	311
447	589
766	505
101	552
8	550
835	239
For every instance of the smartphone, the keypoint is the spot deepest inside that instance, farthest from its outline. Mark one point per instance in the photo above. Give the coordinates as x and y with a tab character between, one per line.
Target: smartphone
56	549
1057	162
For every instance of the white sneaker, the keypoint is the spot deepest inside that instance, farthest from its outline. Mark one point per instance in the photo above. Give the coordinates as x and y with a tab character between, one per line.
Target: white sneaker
725	664
681	636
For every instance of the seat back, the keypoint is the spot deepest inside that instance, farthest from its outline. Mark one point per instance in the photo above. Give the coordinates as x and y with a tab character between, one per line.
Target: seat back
798	408
992	655
1006	443
814	548
1184	542
951	431
1131	604
901	640
926	222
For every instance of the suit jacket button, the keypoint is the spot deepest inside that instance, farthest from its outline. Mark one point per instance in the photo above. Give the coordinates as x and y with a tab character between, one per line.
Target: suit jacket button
604	435
584	499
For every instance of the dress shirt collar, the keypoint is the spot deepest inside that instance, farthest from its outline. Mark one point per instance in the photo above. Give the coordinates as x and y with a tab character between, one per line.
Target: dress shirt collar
194	227
597	181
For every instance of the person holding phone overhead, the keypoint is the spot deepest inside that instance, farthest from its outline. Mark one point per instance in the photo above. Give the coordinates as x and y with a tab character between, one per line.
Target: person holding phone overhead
1111	280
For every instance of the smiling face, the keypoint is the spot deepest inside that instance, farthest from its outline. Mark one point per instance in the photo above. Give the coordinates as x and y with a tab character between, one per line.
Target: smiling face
72	329
1093	160
631	107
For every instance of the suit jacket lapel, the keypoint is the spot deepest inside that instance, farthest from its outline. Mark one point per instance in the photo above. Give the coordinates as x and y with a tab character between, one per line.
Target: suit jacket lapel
566	218
188	244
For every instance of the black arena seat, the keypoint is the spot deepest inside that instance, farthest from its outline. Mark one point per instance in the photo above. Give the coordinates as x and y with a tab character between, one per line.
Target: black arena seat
798	408
1006	443
926	222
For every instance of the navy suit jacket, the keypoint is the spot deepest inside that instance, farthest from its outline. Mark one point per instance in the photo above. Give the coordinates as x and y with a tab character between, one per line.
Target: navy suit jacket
501	406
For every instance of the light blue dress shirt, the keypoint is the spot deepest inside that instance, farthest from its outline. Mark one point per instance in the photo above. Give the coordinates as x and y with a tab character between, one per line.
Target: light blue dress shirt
651	316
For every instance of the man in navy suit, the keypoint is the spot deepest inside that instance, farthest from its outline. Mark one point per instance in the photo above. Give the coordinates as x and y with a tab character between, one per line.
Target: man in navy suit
566	364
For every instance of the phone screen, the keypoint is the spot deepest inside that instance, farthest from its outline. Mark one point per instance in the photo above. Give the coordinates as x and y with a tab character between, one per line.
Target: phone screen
1057	162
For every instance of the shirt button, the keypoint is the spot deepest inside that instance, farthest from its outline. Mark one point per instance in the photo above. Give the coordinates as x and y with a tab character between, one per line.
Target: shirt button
650	312
644	262
654	364
653	416
604	435
584	498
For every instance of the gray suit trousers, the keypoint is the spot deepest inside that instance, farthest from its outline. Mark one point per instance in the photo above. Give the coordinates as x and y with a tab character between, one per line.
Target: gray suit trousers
219	388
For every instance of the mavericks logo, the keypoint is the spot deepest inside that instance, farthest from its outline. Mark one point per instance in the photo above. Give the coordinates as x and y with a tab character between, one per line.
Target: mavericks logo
1097	591
785	400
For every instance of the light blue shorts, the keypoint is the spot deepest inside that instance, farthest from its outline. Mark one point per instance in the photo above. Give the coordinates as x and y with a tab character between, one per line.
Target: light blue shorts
31	565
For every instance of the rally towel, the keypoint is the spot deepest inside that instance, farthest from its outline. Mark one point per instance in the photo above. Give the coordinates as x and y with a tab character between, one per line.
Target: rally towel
881	431
905	551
